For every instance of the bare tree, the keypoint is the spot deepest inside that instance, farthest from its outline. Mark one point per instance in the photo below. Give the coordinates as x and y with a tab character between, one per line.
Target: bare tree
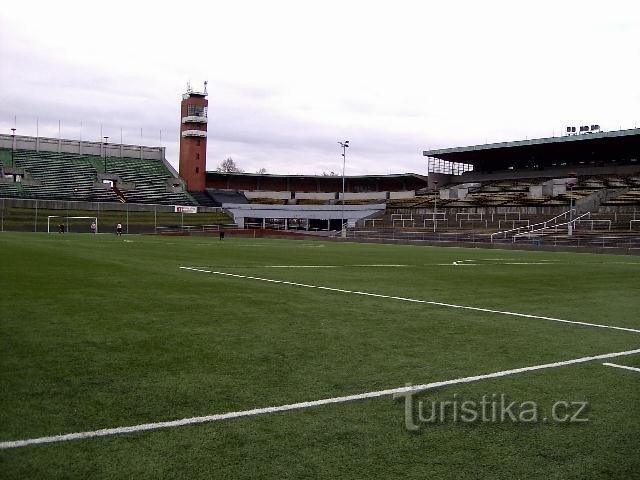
262	171
229	166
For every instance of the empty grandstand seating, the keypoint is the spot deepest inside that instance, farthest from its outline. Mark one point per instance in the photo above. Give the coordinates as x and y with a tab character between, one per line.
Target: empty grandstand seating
629	194
225	196
630	197
543	192
500	193
150	179
203	199
67	176
11	189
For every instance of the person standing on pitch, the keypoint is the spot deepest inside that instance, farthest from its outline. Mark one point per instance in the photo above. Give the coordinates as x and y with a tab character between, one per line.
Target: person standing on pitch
93	227
119	229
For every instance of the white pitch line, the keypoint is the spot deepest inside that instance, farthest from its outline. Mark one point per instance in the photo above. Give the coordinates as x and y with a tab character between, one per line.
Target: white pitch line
413	300
326	266
468	263
371	265
105	432
633	369
274	245
295	266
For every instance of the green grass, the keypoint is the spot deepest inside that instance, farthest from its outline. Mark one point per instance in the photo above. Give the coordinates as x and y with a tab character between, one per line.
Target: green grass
105	331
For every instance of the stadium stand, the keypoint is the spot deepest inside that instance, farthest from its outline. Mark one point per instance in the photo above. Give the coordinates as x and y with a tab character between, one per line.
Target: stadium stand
218	197
150	178
67	176
203	199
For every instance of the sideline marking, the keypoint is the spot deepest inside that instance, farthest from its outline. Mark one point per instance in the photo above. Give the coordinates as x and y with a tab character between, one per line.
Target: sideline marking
306	245
324	266
301	405
372	265
462	263
633	369
413	300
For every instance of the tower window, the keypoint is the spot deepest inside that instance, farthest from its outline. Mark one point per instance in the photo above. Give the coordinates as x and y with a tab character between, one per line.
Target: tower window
196	111
197	169
197	156
198	142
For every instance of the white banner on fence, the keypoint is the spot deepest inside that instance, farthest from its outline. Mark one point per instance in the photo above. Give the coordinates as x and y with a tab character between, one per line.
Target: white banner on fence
185	209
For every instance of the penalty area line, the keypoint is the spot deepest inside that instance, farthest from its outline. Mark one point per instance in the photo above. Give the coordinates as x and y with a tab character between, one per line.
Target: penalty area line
413	300
105	432
624	367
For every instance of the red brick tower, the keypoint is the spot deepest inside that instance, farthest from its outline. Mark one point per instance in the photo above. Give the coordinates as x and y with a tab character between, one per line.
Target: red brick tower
193	138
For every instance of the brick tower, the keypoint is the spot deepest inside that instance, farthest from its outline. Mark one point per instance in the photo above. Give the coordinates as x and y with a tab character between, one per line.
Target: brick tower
193	138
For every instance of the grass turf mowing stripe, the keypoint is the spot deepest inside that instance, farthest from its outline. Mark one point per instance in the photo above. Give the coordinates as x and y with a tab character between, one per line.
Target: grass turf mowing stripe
301	405
404	299
633	369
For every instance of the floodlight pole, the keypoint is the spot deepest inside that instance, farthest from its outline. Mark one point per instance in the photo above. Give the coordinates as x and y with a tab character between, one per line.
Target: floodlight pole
106	140
570	184
13	146
344	145
435	204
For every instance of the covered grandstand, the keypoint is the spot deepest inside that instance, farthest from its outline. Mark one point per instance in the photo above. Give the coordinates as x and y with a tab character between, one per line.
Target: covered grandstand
315	183
604	166
591	153
305	202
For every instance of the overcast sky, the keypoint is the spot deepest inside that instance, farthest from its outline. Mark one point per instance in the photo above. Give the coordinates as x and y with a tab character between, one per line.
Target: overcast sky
289	79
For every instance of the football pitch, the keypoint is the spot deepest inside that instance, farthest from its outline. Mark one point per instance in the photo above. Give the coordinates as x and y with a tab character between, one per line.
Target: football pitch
191	357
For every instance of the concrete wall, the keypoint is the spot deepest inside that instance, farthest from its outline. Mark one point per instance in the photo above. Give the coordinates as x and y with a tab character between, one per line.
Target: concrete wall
267	194
453	193
557	186
406	195
315	195
363	196
535	191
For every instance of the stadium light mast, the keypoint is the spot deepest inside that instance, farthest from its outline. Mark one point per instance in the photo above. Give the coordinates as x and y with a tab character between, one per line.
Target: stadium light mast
435	204
13	146
106	140
570	185
344	145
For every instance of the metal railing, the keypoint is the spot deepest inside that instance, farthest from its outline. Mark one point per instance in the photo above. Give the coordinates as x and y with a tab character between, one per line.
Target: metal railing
553	228
529	228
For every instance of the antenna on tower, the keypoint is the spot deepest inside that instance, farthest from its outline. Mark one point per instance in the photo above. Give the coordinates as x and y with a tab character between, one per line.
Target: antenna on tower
205	86
189	86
